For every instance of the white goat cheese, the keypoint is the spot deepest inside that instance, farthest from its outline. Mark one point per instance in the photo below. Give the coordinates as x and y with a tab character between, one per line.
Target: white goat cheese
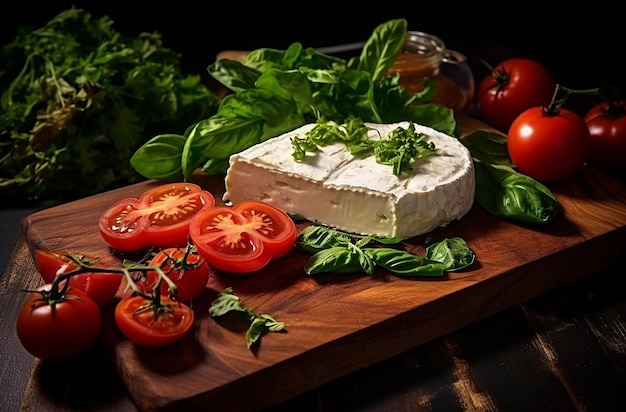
358	195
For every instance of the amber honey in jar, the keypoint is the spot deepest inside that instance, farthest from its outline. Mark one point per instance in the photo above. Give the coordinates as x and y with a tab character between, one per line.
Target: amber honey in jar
426	55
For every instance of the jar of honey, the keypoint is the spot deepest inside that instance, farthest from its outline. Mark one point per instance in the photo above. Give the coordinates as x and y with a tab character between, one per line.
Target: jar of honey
426	55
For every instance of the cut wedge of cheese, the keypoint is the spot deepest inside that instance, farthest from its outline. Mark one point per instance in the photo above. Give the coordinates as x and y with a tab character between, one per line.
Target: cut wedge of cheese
358	195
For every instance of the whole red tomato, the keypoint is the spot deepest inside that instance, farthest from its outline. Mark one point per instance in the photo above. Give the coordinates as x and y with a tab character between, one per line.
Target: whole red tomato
185	267
101	287
548	146
135	317
607	127
58	328
514	85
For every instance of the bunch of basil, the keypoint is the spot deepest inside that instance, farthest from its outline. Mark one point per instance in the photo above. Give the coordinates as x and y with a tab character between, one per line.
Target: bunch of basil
79	98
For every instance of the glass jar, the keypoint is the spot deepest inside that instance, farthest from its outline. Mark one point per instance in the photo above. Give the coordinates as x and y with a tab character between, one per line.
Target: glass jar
426	55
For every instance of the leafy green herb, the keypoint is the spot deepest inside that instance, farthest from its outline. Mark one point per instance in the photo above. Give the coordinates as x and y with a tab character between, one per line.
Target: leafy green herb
227	301
340	252
452	252
512	195
399	150
78	99
276	91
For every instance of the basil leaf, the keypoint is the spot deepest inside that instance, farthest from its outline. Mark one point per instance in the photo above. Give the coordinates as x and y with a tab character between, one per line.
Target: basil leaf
506	193
337	259
383	48
488	147
453	253
403	263
159	158
227	302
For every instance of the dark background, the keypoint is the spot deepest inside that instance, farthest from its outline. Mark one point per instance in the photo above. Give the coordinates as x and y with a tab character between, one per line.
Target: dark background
581	47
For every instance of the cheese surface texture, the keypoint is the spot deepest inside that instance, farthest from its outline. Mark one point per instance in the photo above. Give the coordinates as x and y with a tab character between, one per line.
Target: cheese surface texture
354	194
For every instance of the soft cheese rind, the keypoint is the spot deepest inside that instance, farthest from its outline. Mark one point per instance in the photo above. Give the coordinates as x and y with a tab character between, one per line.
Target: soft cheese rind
358	195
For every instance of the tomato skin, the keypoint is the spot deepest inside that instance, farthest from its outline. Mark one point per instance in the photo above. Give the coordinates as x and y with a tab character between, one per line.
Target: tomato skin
158	218
72	331
193	279
548	148
139	328
243	238
608	138
101	287
500	100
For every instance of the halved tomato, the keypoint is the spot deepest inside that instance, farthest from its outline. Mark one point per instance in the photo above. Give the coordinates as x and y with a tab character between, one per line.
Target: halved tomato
101	286
158	218
243	238
148	324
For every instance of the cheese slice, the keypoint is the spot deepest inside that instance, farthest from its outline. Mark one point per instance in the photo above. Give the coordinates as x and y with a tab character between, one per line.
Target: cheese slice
358	195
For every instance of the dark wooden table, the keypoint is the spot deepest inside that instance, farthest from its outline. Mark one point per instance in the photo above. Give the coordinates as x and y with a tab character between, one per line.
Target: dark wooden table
564	350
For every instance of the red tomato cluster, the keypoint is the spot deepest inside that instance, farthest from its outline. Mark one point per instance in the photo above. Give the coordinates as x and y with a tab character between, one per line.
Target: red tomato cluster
546	141
63	320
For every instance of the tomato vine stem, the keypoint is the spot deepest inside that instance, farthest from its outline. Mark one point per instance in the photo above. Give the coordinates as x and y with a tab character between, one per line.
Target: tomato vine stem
557	103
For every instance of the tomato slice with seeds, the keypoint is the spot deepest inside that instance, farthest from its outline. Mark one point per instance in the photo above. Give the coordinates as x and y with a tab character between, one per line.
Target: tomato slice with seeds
158	218
243	238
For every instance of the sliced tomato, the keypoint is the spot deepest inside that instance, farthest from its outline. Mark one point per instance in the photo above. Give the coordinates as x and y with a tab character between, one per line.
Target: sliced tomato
185	267
243	238
135	316
101	287
158	218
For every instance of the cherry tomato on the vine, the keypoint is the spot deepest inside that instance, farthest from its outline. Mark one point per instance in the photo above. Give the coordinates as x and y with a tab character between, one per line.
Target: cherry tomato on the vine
243	238
135	317
185	267
607	127
58	329
513	86
548	146
158	218
101	287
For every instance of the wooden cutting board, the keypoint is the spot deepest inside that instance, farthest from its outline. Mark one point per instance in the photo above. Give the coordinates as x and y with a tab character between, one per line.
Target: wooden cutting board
337	324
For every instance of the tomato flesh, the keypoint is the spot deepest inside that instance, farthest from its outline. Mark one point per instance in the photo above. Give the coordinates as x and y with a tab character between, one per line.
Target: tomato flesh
101	287
140	327
243	238
62	333
189	272
158	218
548	148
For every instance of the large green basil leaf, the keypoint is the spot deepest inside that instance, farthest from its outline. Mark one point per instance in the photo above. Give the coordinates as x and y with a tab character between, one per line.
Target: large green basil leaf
382	48
160	157
512	195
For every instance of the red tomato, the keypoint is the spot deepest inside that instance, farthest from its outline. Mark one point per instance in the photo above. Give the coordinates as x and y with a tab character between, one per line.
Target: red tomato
514	85
135	317
243	238
159	218
59	330
187	269
607	127
548	147
101	287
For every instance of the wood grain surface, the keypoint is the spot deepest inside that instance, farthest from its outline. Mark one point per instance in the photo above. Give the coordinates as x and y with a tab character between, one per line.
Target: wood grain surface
338	324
